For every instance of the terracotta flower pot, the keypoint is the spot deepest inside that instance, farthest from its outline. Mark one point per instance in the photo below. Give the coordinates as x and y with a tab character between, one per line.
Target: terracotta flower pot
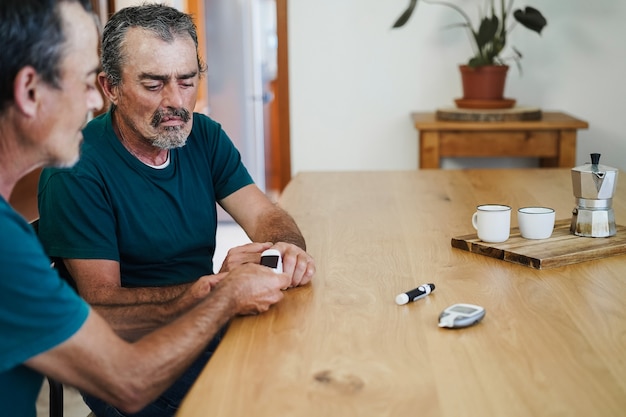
483	83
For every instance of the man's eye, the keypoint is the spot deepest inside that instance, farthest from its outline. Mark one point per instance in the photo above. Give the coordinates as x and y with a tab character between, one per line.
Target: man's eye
153	87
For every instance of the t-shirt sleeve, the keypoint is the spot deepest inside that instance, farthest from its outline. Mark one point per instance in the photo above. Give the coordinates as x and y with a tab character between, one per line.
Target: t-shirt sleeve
38	310
76	220
229	173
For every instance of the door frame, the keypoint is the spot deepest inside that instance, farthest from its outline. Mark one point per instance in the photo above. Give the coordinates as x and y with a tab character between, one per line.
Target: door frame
282	143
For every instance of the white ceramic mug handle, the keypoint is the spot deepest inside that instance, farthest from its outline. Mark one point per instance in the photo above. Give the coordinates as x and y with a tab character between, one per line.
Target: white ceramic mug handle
475	220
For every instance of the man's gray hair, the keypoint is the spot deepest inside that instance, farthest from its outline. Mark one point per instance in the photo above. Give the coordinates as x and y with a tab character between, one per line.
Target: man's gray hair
32	34
164	21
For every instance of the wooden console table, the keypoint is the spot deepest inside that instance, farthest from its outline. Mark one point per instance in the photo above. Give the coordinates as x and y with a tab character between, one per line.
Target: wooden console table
551	139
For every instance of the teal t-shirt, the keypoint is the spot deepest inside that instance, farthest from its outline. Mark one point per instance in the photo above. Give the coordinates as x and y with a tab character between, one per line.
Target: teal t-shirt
38	311
159	224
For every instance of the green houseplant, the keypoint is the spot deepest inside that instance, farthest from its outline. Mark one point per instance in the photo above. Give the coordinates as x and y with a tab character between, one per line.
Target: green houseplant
488	39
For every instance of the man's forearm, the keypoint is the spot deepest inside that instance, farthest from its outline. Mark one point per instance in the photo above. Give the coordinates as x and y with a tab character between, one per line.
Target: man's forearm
279	226
129	376
134	312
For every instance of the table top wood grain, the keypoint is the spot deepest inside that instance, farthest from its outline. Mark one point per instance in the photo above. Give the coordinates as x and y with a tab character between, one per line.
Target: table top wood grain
553	342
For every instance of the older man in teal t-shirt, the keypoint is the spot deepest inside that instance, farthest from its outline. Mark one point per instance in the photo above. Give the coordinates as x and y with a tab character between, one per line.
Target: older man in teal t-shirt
159	223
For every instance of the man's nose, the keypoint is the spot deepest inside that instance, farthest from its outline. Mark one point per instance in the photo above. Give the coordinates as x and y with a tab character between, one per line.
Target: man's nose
172	97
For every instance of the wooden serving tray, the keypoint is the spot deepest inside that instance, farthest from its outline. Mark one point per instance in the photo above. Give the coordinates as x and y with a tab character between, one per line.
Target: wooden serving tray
562	248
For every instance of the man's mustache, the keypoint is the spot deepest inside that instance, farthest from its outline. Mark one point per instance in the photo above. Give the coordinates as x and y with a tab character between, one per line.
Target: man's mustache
158	116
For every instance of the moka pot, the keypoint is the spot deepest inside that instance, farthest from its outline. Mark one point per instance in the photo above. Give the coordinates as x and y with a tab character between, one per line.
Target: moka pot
594	187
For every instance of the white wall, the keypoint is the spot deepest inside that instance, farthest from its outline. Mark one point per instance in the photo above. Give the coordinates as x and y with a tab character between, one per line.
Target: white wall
354	81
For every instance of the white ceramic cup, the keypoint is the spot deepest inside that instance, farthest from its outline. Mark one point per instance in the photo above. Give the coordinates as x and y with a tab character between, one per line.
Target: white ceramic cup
536	222
493	222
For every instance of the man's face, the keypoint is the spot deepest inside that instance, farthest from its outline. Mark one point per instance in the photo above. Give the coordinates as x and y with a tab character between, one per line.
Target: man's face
64	111
159	88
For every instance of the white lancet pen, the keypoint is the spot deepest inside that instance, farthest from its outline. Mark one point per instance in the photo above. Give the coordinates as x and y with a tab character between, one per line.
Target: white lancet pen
415	294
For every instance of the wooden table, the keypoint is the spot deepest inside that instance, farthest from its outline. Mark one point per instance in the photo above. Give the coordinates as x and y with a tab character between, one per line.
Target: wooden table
551	139
553	342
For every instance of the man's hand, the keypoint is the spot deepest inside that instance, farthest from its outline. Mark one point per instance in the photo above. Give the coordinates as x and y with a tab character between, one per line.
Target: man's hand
204	285
253	288
239	255
298	264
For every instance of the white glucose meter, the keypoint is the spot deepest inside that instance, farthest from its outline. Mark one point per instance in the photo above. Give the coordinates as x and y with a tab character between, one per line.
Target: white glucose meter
461	315
272	259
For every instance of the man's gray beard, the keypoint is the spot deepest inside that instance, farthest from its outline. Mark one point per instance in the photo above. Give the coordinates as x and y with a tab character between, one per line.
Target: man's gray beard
173	137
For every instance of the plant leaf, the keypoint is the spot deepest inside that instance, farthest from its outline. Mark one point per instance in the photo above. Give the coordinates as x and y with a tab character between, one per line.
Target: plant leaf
531	18
406	15
487	31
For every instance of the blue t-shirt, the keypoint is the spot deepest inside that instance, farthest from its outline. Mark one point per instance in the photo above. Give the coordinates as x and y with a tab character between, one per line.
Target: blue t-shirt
159	224
38	311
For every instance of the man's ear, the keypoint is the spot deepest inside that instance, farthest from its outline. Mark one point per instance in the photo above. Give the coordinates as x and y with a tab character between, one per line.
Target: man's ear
27	90
109	90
